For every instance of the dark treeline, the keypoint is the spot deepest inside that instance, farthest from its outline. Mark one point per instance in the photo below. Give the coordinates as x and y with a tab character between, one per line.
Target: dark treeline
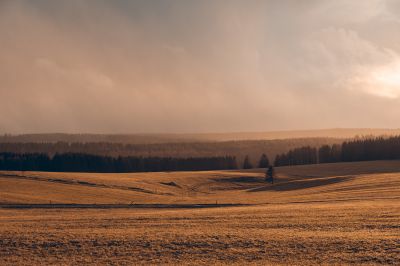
298	156
371	149
240	149
74	162
350	151
330	154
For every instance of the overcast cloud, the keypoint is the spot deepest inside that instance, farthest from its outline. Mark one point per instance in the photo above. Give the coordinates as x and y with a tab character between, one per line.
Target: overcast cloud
198	66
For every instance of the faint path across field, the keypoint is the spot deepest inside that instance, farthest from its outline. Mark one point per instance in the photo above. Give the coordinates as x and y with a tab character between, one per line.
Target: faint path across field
116	206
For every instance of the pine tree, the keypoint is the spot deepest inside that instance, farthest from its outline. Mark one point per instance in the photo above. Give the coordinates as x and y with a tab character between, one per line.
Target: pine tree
264	162
247	164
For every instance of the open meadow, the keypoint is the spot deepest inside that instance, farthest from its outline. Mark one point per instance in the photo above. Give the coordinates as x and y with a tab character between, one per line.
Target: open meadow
343	213
208	132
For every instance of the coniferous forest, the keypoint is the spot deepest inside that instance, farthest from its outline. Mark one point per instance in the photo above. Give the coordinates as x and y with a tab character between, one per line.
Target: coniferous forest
350	151
76	162
240	149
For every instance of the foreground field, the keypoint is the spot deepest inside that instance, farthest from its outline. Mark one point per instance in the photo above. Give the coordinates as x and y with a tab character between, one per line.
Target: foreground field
324	214
341	233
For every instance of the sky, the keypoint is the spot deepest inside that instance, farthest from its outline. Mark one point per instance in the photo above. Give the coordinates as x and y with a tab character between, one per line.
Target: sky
185	66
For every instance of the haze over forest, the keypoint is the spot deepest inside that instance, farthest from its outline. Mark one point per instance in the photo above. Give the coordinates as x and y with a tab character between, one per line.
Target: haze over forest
198	66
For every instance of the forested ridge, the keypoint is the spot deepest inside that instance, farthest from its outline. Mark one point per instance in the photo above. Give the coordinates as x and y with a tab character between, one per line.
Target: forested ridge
379	148
76	162
240	149
118	157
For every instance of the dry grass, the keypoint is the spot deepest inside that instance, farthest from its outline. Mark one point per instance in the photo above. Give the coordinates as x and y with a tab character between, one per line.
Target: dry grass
326	214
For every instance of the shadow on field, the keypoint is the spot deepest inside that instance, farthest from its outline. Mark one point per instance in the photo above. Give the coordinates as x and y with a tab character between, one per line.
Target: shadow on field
171	184
240	179
301	184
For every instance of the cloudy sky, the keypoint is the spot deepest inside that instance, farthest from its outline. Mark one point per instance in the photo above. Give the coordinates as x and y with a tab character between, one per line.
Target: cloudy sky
198	66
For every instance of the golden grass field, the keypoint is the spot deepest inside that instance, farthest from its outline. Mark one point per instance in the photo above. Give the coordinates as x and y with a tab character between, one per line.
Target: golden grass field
345	213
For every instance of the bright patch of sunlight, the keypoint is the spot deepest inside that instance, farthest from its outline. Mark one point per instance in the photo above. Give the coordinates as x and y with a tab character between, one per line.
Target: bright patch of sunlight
386	81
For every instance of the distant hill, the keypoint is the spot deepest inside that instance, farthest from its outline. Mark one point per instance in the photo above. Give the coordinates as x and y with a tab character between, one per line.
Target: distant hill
341	133
183	149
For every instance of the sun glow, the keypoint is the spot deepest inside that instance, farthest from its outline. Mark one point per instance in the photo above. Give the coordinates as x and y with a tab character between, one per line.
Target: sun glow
386	81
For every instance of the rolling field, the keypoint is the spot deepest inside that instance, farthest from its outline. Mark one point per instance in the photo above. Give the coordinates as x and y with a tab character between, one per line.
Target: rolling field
346	213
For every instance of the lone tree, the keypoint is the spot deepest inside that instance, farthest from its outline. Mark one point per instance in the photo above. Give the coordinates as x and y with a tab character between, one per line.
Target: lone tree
247	164
264	162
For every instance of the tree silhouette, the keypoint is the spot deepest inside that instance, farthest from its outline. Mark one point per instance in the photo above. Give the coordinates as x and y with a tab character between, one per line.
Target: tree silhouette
264	162
247	164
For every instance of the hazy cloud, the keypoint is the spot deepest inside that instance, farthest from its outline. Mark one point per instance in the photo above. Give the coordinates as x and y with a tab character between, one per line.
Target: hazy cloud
189	66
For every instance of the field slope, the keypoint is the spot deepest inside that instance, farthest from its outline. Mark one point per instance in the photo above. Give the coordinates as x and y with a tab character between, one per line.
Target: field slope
325	182
345	213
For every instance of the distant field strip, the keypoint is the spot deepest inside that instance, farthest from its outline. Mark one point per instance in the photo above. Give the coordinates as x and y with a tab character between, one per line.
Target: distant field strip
312	183
73	182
